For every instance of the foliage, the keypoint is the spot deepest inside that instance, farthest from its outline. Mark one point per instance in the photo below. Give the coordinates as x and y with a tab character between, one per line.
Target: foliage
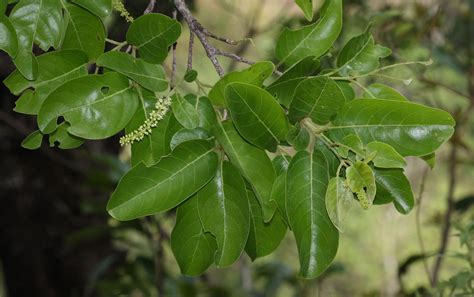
217	159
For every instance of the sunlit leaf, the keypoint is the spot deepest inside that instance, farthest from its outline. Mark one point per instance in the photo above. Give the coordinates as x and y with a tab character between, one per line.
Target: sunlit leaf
256	115
101	8
149	190
152	34
313	40
307	7
385	155
33	141
392	185
186	114
8	38
224	210
316	237
339	201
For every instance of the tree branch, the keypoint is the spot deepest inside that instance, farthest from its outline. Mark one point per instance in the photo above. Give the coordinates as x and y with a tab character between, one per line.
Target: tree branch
150	7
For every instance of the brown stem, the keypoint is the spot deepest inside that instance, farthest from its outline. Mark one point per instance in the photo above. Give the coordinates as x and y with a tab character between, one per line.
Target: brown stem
150	7
190	51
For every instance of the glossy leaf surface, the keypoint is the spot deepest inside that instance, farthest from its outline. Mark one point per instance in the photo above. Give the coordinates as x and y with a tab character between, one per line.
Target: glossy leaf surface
385	155
105	102
193	248
316	237
318	98
381	91
101	8
150	76
264	238
149	190
284	87
33	141
339	201
184	135
55	69
224	210
186	114
252	163
63	139
8	38
393	185
254	75
84	31
152	34
307	8
412	129
312	40
256	115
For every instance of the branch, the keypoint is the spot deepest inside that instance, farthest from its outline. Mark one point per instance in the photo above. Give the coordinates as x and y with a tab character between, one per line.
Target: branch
150	7
190	51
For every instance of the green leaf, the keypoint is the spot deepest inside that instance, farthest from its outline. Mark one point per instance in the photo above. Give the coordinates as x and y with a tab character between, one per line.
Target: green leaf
185	113
392	185
64	140
264	238
3	6
84	31
252	163
386	156
205	110
361	55
381	91
256	115
430	160
193	248
284	87
316	237
191	75
346	90
279	195
298	137
313	40
149	190
33	141
318	98
360	179
152	34
157	144
100	8
37	22
148	75
184	135
353	143
411	129
8	38
339	201
55	69
224	210
280	163
307	7
105	102
254	75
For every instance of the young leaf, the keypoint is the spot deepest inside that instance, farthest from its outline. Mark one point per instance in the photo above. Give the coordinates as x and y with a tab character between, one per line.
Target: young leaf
264	238
187	135
361	55
193	248
339	201
33	141
100	8
430	160
224	210
252	163
84	31
184	112
8	38
64	140
392	185
256	115
298	137
55	69
37	22
312	40
307	7
346	90
360	179
280	163
411	129
190	75
381	91
105	102
318	98
385	155
254	75
152	34
284	87
316	237
150	76
353	143
149	190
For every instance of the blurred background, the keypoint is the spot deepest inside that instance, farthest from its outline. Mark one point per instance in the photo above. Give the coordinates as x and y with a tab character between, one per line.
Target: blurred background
56	238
